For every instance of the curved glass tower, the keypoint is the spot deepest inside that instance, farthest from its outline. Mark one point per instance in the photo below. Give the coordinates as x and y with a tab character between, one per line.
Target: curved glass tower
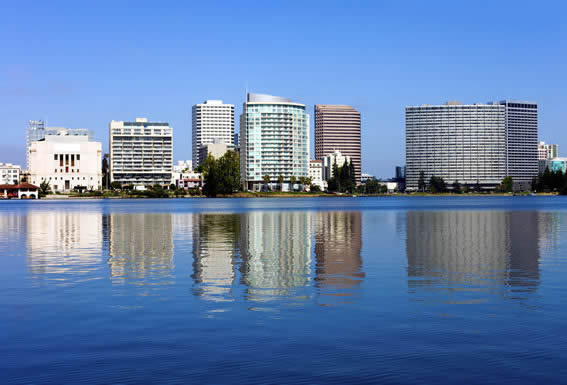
274	140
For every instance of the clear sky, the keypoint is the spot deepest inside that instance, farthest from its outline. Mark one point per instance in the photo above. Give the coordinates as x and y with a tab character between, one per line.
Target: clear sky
81	65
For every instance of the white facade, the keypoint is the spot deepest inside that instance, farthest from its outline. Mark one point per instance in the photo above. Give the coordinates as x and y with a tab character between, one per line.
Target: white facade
9	173
329	160
274	140
316	174
37	130
211	120
141	152
547	151
66	161
183	165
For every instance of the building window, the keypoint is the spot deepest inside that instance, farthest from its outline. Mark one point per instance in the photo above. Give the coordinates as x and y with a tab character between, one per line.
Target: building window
78	157
55	157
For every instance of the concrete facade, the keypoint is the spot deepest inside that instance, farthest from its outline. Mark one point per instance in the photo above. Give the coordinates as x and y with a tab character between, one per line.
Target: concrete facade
141	152
66	162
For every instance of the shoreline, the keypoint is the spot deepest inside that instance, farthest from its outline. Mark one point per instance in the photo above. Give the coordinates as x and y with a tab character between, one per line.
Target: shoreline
250	195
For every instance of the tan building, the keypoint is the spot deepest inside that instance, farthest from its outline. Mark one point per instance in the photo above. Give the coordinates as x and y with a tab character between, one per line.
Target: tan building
338	128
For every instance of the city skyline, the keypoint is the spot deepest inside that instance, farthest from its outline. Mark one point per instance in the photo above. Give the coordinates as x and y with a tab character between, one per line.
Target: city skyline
378	57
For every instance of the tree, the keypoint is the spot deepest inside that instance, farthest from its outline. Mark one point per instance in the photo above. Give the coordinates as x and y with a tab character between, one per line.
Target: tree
421	182
267	181
280	181
44	187
315	188
478	187
507	184
172	187
437	185
456	187
302	182
229	169
210	170
534	184
292	180
115	185
105	171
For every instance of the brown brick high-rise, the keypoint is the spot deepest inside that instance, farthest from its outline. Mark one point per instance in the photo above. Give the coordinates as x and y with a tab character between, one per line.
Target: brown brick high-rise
338	128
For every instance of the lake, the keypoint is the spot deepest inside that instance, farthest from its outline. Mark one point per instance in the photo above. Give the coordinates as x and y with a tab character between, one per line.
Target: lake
401	290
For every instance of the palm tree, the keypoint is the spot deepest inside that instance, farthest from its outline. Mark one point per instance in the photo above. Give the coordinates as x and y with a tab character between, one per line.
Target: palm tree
292	180
267	181
280	181
302	181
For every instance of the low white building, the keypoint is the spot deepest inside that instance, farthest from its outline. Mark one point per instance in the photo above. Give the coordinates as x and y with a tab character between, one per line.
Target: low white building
330	160
10	173
316	174
66	162
189	180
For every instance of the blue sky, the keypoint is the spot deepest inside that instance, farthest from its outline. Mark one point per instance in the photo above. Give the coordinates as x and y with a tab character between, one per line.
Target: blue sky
81	65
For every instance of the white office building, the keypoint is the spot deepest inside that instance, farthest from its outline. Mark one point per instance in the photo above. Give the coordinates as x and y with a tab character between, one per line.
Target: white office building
274	140
66	162
329	160
316	174
141	152
9	173
211	120
477	143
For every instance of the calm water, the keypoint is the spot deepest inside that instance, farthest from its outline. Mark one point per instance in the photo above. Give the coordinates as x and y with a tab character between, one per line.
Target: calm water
361	290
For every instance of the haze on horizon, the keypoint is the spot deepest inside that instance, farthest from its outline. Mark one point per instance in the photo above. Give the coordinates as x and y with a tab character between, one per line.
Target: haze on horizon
81	65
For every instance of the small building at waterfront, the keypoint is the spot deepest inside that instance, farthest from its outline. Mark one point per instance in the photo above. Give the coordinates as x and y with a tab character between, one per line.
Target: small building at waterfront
316	174
19	191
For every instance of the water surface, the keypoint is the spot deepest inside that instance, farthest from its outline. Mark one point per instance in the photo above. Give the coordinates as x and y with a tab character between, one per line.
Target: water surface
346	290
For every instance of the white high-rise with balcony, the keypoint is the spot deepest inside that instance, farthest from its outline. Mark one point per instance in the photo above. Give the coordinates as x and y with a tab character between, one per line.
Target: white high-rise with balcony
141	152
274	140
213	122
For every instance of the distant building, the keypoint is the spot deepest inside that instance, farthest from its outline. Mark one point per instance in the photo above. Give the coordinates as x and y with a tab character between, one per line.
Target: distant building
547	151
337	127
182	165
141	152
211	120
274	138
400	172
217	149
555	165
37	130
330	159
66	162
366	177
316	174
479	143
9	173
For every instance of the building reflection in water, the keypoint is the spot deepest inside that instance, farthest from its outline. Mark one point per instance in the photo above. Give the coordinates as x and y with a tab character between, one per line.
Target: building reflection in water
215	248
141	248
473	250
269	255
338	242
63	244
275	248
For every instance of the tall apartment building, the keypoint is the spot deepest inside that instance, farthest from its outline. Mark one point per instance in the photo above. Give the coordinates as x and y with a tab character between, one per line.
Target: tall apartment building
37	130
141	152
274	140
212	120
478	143
338	128
66	162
